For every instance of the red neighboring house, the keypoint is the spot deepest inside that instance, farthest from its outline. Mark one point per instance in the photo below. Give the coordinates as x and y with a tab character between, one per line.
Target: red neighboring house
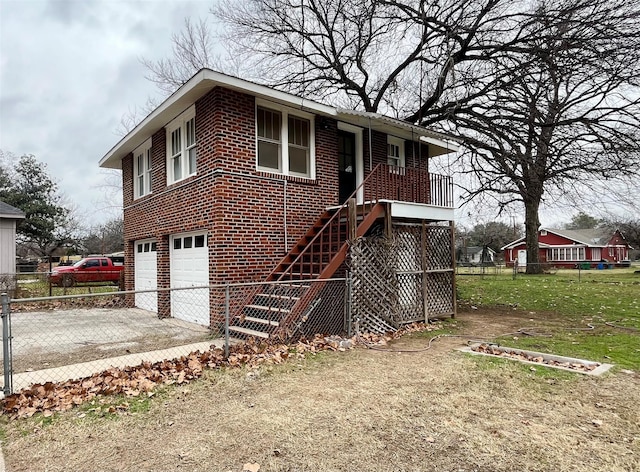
588	248
229	181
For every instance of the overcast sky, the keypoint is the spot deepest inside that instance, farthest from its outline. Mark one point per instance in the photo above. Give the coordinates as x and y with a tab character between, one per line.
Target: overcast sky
69	71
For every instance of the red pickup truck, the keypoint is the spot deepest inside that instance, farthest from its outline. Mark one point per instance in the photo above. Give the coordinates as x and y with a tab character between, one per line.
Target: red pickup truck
89	269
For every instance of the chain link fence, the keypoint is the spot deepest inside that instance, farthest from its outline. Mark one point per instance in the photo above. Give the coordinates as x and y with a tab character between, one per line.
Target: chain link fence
54	339
41	284
574	270
75	335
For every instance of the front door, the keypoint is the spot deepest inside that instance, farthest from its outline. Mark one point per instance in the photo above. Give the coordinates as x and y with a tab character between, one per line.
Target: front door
346	164
522	258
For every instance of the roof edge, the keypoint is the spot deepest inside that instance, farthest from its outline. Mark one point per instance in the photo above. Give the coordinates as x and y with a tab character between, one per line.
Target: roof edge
206	79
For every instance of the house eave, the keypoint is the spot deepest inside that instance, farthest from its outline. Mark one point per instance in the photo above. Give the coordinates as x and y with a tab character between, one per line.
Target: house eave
438	143
196	87
206	80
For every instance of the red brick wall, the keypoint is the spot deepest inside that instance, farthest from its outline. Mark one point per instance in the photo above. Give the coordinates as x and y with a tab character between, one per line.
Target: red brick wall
243	211
244	215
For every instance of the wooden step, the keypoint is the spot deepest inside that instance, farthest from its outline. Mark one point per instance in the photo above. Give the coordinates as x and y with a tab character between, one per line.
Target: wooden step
298	275
249	332
279	297
261	321
268	308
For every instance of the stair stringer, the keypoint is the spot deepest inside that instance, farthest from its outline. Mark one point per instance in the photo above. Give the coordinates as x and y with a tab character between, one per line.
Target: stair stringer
301	244
285	330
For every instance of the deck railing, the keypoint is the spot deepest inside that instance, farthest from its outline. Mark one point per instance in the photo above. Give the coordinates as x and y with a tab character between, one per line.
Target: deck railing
406	184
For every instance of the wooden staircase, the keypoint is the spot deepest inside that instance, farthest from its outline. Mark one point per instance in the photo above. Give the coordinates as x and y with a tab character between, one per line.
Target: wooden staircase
292	291
289	291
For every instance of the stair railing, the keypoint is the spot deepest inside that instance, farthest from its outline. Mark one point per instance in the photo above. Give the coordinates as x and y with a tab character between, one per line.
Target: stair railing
328	227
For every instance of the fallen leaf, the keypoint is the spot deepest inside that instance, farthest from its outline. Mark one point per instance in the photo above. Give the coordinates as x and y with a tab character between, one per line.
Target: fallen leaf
251	467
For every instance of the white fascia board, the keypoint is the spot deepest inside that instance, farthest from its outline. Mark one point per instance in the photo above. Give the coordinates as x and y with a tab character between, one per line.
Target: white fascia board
420	211
196	87
513	244
440	146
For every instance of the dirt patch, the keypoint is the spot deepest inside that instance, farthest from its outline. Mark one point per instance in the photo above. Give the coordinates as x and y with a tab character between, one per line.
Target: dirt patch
361	410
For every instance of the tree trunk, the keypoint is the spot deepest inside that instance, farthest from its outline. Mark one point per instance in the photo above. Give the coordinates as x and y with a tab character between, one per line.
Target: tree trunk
531	225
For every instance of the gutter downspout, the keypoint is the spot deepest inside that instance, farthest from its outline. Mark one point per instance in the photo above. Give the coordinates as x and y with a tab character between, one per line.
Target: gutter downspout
370	148
286	236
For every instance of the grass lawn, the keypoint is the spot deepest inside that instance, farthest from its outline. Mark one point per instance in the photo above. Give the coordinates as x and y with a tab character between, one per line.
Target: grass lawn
596	317
36	284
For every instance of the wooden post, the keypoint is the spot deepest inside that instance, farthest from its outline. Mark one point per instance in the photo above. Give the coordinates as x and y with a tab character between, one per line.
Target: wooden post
352	223
453	266
423	253
388	224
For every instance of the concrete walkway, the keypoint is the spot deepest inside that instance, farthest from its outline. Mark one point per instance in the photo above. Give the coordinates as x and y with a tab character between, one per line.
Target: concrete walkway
86	369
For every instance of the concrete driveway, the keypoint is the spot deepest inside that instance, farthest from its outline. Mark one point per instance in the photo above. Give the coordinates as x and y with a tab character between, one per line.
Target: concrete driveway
45	340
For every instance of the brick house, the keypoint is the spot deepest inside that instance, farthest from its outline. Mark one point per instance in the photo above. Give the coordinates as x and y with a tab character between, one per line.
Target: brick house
229	181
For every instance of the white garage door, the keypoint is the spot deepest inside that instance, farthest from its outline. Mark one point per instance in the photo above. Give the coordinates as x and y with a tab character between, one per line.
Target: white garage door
146	274
190	268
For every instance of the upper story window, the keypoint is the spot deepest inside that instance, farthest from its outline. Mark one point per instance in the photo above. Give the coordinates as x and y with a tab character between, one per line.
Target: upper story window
285	141
142	170
395	151
181	147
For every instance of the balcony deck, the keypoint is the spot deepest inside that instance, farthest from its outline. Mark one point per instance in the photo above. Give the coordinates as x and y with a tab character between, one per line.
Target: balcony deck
408	185
411	193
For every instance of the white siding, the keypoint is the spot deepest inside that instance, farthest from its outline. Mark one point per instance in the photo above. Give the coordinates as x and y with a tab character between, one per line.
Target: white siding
7	246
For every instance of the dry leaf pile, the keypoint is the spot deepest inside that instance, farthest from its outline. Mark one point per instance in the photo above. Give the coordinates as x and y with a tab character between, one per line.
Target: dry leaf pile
519	355
139	380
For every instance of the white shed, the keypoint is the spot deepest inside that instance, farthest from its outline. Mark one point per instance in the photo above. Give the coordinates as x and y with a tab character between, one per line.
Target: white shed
9	216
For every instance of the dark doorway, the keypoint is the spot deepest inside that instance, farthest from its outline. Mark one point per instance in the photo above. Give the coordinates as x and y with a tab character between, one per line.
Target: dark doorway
346	164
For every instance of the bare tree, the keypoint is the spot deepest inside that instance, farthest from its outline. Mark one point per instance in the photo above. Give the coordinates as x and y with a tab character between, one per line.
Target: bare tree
104	238
566	113
544	93
192	51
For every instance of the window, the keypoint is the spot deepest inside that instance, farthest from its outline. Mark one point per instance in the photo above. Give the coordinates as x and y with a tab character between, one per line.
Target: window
269	134
566	254
187	242
147	247
181	147
142	170
298	146
277	126
395	151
